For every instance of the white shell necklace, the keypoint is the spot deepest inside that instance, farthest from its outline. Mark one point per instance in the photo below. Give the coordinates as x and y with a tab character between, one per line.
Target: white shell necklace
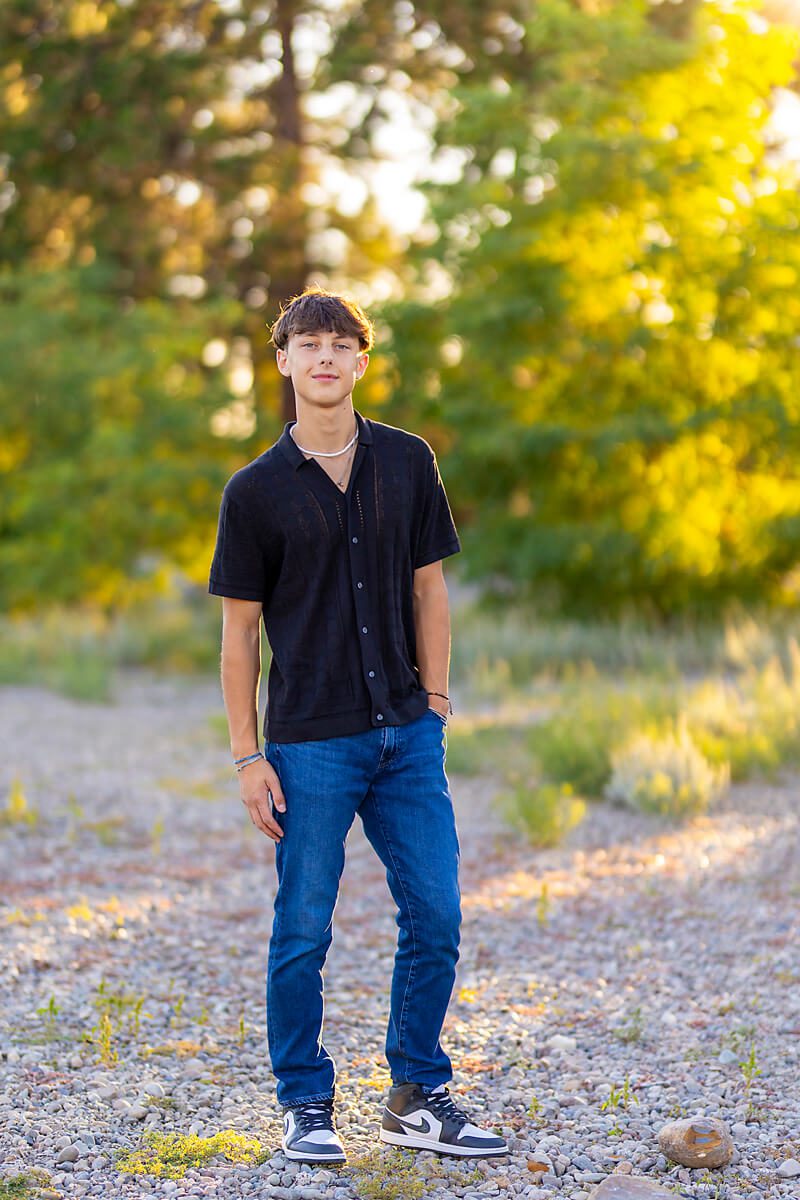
326	453
341	482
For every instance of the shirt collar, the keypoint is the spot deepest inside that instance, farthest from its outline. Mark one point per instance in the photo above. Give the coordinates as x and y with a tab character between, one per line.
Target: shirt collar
295	455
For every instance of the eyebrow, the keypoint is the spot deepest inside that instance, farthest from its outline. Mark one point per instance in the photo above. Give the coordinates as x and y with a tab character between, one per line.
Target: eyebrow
343	337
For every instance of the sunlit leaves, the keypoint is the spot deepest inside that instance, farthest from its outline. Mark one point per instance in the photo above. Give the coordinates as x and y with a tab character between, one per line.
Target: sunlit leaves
625	405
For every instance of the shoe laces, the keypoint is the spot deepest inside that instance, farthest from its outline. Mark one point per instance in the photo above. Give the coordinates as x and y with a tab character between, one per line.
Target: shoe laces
316	1114
443	1106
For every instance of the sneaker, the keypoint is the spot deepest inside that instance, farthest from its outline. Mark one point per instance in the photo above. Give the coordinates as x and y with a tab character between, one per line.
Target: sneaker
309	1134
431	1121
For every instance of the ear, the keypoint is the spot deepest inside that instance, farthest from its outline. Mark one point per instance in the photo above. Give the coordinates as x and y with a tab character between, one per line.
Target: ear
282	359
361	365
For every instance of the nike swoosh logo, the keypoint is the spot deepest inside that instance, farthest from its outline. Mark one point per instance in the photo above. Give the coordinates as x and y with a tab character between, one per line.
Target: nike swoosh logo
423	1126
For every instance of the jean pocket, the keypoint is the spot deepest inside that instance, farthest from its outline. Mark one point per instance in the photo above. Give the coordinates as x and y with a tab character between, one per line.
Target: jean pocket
440	716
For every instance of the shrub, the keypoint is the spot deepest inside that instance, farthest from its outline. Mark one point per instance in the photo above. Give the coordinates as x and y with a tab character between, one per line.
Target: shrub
545	813
665	774
574	746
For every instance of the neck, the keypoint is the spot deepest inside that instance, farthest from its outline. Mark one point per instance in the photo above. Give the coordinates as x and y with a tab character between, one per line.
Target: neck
322	429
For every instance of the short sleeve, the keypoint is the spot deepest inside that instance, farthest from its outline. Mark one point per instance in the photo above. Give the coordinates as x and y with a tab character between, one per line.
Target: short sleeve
437	537
238	568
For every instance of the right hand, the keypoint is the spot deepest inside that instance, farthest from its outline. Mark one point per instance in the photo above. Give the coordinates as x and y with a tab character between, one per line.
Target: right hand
256	781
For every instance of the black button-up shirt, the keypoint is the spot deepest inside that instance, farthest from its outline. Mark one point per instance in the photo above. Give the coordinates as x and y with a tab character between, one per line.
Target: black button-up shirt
334	572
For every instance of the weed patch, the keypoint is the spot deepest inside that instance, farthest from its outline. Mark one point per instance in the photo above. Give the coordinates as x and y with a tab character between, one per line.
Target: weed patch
17	810
27	1186
170	1155
382	1175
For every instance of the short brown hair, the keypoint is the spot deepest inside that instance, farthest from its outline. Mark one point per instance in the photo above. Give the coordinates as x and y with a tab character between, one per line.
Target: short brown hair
315	310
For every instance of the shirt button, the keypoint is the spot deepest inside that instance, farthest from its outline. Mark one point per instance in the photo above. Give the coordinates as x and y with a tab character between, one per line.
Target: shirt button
354	541
379	716
372	674
364	629
359	584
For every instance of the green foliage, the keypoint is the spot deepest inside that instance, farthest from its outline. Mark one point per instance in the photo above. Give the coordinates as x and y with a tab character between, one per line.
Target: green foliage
619	1098
170	1155
108	458
664	774
751	723
575	745
545	813
611	369
750	1069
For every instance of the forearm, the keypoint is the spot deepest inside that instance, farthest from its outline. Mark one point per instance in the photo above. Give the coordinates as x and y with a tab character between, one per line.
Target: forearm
432	631
241	668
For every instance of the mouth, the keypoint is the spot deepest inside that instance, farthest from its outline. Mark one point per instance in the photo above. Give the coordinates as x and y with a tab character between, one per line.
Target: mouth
324	378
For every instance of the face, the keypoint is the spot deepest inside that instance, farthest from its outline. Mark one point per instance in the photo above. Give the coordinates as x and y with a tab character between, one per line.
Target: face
323	366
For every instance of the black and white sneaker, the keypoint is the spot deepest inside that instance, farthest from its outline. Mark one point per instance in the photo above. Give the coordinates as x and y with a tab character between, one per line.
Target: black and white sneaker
309	1134
430	1121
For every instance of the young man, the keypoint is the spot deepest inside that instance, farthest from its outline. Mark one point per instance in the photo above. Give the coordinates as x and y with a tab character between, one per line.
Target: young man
336	534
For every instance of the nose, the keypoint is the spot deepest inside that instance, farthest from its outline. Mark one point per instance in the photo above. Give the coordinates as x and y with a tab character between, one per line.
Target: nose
325	355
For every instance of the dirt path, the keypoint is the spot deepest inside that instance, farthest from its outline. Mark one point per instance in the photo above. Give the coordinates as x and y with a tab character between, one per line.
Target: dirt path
667	957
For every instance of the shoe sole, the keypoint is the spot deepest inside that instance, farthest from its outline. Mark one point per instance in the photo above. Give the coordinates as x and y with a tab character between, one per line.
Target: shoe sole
298	1156
418	1143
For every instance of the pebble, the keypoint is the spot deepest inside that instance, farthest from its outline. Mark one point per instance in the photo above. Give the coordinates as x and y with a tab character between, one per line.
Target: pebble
789	1169
630	900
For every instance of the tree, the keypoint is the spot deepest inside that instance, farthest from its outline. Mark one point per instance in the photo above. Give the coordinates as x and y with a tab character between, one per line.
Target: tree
612	355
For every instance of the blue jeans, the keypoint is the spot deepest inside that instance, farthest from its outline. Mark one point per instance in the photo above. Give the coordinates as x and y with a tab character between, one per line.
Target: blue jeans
394	778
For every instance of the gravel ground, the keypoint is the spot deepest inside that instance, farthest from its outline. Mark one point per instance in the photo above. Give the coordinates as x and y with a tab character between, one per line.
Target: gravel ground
664	957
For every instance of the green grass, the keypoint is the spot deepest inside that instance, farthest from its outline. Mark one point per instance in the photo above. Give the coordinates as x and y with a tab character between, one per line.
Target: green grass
500	648
76	652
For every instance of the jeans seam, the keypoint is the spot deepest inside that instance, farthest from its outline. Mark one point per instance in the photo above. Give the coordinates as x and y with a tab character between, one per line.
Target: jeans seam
309	1099
415	955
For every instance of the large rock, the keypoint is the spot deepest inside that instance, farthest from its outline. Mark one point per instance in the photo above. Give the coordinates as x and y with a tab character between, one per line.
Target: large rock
697	1142
630	1187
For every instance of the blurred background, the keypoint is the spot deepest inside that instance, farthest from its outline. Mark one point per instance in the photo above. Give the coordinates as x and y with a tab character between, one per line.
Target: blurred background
576	225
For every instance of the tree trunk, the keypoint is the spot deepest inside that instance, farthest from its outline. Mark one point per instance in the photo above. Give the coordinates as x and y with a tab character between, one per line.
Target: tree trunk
291	269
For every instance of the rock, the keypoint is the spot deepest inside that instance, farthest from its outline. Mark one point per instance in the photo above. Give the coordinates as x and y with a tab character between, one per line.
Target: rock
697	1142
789	1169
740	1129
630	1187
193	1068
727	1056
562	1043
152	1088
69	1154
136	1112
